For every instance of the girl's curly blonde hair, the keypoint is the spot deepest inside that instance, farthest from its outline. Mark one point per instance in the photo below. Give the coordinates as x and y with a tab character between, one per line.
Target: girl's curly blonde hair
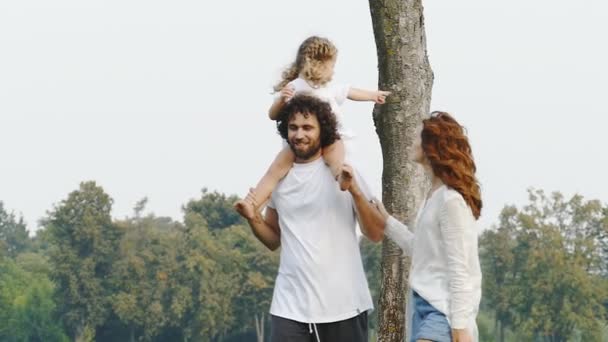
311	62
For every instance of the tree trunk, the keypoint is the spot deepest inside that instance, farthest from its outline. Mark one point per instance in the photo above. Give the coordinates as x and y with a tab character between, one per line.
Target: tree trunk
262	328
499	331
259	327
132	337
405	71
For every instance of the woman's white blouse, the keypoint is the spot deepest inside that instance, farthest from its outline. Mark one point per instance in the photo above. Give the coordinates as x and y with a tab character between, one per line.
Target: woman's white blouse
445	262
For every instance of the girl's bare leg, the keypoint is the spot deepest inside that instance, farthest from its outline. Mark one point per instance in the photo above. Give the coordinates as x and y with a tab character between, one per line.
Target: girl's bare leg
334	155
277	171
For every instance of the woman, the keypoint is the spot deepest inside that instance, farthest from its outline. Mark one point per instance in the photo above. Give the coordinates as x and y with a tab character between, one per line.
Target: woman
445	276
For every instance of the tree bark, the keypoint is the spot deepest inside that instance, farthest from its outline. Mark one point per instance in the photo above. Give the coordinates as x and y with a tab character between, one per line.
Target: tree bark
404	70
259	327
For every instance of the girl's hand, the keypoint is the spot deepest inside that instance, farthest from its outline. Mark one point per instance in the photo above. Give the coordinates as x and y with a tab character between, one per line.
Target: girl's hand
287	93
381	95
461	335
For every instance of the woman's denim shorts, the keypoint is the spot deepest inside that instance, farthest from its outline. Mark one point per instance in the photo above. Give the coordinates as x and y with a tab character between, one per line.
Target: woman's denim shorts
428	323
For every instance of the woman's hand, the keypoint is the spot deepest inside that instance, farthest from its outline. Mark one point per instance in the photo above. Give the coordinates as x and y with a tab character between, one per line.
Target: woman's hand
461	335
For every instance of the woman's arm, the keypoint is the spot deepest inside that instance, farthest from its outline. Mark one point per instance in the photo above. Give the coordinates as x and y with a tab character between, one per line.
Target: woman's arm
454	223
397	231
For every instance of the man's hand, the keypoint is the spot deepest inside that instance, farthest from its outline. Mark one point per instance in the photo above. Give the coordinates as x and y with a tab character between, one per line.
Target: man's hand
346	179
461	335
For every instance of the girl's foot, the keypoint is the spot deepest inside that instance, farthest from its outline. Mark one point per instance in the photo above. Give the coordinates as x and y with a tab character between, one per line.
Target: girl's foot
245	208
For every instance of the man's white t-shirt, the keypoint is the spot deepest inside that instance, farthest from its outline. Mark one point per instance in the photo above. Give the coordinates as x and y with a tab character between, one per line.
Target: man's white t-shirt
321	277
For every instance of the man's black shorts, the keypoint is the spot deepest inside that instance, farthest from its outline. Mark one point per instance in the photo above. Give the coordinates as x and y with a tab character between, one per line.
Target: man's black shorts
350	330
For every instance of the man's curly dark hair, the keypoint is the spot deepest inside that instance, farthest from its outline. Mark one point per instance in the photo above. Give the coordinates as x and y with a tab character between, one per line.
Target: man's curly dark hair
310	105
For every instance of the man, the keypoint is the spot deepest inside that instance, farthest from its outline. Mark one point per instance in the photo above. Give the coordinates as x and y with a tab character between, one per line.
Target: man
320	293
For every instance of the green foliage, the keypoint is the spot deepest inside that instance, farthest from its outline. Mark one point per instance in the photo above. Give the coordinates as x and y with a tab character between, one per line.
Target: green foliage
84	241
14	238
34	263
33	315
543	267
12	281
216	209
140	276
371	253
484	326
256	271
27	309
144	278
205	283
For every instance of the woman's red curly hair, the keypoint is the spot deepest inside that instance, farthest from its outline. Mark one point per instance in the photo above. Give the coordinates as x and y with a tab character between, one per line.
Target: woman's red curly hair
447	148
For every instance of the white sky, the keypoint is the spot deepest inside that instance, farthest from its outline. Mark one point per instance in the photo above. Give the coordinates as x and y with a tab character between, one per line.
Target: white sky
160	99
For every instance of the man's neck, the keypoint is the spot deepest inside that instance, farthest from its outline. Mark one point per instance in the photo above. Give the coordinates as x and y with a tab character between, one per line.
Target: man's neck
308	160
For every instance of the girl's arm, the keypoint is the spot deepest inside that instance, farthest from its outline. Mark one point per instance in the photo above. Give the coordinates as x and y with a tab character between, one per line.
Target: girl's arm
286	94
275	109
378	96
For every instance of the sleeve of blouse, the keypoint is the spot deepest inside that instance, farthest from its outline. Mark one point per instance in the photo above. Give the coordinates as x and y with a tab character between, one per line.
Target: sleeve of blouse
341	93
454	222
400	234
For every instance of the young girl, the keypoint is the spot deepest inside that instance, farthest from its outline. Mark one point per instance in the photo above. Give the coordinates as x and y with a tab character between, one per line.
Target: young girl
445	275
311	72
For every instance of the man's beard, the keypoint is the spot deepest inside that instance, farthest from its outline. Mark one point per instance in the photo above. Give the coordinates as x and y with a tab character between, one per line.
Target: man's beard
313	148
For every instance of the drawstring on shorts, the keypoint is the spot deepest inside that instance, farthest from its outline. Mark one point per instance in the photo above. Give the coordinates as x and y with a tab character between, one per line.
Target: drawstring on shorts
310	326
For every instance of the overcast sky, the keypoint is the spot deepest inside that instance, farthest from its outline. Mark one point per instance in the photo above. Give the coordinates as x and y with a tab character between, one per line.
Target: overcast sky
164	98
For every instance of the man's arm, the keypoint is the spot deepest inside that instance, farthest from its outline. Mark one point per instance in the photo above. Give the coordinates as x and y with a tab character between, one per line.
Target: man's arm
266	229
371	220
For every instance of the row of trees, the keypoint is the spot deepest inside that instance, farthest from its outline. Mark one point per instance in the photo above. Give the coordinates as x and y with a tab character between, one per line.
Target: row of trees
85	276
545	269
